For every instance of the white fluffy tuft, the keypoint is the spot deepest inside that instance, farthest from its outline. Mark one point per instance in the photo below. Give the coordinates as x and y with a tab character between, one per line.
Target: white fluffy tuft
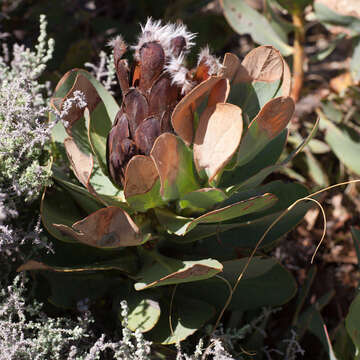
181	30
117	41
178	73
163	34
210	60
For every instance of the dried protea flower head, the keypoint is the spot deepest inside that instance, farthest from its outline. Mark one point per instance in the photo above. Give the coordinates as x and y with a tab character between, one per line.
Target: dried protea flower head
151	87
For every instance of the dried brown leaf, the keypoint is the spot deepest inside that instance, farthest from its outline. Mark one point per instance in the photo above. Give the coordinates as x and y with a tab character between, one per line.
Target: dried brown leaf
108	227
183	114
91	96
217	138
141	175
166	157
264	63
275	115
81	163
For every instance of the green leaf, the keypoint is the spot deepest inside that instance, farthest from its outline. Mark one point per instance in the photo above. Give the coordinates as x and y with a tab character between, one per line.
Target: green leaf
82	196
58	207
265	283
303	292
69	291
174	162
344	142
343	344
356	238
259	177
126	262
266	157
315	169
352	322
286	194
281	25
236	210
144	310
294	6
304	322
149	200
355	60
327	16
267	125
228	243
202	199
99	126
323	54
85	199
251	97
187	316
245	20
318	328
167	271
182	225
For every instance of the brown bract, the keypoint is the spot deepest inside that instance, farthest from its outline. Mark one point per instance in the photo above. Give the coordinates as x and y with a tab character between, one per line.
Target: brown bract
136	108
146	134
141	175
152	59
217	138
163	95
108	227
166	158
275	115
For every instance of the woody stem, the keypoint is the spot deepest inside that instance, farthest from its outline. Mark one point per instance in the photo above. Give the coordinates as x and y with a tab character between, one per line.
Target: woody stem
298	55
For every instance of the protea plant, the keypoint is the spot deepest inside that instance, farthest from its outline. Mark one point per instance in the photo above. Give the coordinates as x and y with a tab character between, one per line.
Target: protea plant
167	190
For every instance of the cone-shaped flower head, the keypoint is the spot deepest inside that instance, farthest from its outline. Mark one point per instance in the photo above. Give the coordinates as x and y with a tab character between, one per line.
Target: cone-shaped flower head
157	81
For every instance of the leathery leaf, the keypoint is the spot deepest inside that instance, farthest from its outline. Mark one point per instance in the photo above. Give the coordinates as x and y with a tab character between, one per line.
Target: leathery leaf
166	271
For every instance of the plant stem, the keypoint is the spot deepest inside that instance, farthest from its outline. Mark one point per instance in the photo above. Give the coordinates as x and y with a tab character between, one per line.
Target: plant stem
299	55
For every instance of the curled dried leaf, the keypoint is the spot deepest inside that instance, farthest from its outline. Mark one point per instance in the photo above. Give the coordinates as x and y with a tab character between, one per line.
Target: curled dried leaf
92	98
108	227
264	63
81	163
219	92
231	64
183	114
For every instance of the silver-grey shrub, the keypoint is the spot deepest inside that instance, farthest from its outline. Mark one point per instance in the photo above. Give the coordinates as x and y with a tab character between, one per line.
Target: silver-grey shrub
27	333
24	130
24	134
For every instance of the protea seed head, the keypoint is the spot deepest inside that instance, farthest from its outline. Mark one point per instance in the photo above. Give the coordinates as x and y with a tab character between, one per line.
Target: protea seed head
157	81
